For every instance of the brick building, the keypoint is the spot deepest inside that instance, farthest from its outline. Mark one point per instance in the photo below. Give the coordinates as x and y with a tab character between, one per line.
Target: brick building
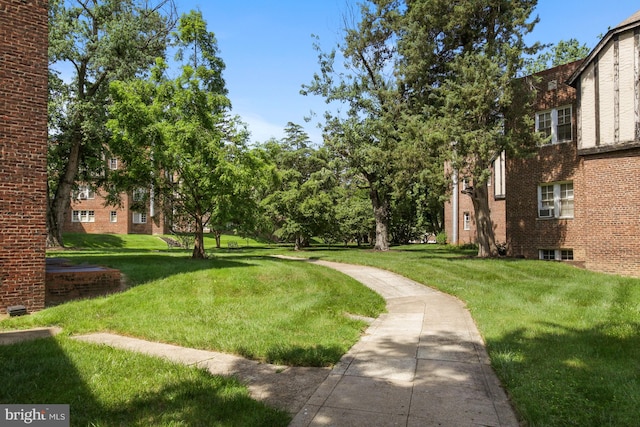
459	218
544	212
576	199
89	213
23	152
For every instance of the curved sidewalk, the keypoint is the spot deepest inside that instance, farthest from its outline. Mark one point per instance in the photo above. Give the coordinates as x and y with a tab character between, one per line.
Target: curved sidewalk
423	363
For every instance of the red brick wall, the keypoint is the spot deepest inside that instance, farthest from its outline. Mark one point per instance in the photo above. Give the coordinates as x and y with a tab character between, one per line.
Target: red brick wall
527	233
23	152
63	286
103	224
612	227
497	207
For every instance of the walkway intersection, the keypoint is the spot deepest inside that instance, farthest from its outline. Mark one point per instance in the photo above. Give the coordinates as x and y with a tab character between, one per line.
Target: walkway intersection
423	363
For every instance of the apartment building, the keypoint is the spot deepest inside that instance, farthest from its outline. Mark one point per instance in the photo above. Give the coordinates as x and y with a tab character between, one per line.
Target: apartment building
89	212
576	199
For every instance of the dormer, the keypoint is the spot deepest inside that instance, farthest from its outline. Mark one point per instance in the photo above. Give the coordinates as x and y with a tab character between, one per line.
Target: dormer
608	91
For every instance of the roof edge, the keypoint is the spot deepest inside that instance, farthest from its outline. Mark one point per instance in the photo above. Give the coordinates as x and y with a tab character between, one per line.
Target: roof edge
629	23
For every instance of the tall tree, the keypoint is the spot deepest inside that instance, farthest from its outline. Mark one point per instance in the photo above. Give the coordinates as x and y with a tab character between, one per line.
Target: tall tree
301	199
99	41
561	53
460	63
366	139
176	136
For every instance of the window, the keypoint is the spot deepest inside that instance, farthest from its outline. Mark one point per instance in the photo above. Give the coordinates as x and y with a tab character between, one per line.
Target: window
83	216
555	200
543	124
139	218
113	164
139	194
566	254
466	221
555	124
113	216
547	254
564	124
556	254
84	192
499	168
566	200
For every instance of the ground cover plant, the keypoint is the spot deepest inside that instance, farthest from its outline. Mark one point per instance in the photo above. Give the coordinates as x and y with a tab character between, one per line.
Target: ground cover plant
565	342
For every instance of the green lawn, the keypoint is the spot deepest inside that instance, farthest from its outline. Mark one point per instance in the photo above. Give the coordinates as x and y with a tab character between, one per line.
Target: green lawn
564	341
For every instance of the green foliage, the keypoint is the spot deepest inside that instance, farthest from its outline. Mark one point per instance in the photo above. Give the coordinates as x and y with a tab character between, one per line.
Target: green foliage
177	138
458	69
103	41
441	238
366	140
300	201
563	52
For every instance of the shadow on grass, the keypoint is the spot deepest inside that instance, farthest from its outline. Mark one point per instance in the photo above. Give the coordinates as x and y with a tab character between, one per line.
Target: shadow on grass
145	267
570	376
96	382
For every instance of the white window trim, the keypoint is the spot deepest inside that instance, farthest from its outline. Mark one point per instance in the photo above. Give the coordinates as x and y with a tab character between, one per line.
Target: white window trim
499	167
113	216
557	254
557	201
139	194
85	193
554	123
83	216
466	221
113	163
139	218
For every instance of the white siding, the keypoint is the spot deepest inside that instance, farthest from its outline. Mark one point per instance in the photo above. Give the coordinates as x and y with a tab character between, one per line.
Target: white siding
627	84
606	83
587	116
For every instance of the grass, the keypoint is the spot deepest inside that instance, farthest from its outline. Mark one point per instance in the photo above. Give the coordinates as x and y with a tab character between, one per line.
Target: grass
565	342
109	387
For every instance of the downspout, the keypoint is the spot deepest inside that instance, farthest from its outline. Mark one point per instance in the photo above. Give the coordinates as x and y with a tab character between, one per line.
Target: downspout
455	208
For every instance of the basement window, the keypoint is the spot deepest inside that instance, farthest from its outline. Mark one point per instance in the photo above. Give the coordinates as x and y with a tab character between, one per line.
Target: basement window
555	254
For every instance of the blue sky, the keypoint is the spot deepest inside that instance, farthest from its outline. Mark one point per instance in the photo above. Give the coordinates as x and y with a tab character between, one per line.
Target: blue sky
267	48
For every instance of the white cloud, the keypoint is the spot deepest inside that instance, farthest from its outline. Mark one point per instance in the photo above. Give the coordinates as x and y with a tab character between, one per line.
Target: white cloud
261	129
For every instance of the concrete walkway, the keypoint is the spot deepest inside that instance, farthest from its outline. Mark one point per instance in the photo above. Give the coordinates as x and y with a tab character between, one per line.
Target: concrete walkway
423	363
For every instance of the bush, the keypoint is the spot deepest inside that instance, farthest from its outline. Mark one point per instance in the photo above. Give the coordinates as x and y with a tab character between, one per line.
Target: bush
441	238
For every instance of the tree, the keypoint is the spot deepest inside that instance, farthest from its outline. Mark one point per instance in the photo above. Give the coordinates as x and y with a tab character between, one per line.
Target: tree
176	137
301	199
460	63
559	54
367	138
101	41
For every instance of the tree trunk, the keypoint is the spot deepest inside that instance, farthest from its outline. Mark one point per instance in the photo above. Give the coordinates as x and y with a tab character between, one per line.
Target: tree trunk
217	235
484	225
298	242
58	206
381	215
198	244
